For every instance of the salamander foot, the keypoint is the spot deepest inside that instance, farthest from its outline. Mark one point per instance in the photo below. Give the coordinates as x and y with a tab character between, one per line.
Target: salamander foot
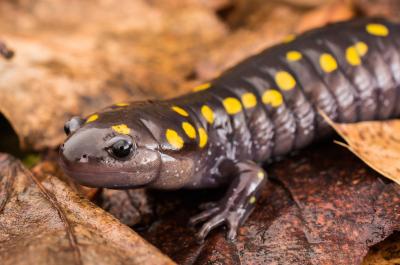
236	205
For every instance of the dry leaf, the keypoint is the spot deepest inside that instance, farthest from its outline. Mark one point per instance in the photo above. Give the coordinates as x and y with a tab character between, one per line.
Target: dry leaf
50	166
380	8
385	253
322	206
330	12
46	223
130	206
258	24
216	4
377	143
77	57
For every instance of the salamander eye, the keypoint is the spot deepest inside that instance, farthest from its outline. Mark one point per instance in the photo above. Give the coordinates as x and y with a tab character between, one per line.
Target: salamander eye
121	147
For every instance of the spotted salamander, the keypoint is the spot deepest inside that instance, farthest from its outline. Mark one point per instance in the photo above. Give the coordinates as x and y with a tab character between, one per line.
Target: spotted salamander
264	107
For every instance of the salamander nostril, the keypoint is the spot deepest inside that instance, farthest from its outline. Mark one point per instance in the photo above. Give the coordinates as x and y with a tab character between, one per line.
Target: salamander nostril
84	158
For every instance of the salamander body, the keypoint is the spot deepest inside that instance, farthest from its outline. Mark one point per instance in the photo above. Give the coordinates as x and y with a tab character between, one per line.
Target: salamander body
264	107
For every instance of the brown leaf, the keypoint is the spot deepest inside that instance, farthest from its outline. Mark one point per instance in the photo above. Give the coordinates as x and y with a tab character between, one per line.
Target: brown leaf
217	4
377	143
51	167
334	11
322	206
325	206
46	223
382	8
258	24
307	3
385	253
75	58
131	207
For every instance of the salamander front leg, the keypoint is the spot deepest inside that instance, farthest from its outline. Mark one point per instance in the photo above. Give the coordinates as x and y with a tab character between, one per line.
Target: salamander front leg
237	203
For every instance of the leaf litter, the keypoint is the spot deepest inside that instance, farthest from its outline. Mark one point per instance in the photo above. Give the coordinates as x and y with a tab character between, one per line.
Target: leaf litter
313	211
66	63
50	224
377	143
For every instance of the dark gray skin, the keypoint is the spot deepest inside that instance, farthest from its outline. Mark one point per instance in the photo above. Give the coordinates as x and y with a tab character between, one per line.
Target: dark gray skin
264	107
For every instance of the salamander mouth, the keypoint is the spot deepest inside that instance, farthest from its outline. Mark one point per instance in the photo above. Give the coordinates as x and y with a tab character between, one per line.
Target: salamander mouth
93	176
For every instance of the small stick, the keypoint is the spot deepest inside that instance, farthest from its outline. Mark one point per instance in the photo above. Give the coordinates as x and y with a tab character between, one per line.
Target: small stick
5	51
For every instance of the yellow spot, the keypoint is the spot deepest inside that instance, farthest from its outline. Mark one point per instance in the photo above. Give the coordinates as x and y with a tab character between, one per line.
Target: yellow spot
289	38
189	129
352	56
232	105
293	56
180	111
121	128
377	29
202	87
203	137
260	175
207	113
122	104
285	80
174	139
361	48
249	100
327	62
92	118
272	97
252	200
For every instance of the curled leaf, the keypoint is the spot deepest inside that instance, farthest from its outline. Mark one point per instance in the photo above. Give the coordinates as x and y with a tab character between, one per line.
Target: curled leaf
377	143
46	223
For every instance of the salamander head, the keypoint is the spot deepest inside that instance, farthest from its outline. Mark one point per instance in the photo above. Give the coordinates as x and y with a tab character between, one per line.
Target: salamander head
103	151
